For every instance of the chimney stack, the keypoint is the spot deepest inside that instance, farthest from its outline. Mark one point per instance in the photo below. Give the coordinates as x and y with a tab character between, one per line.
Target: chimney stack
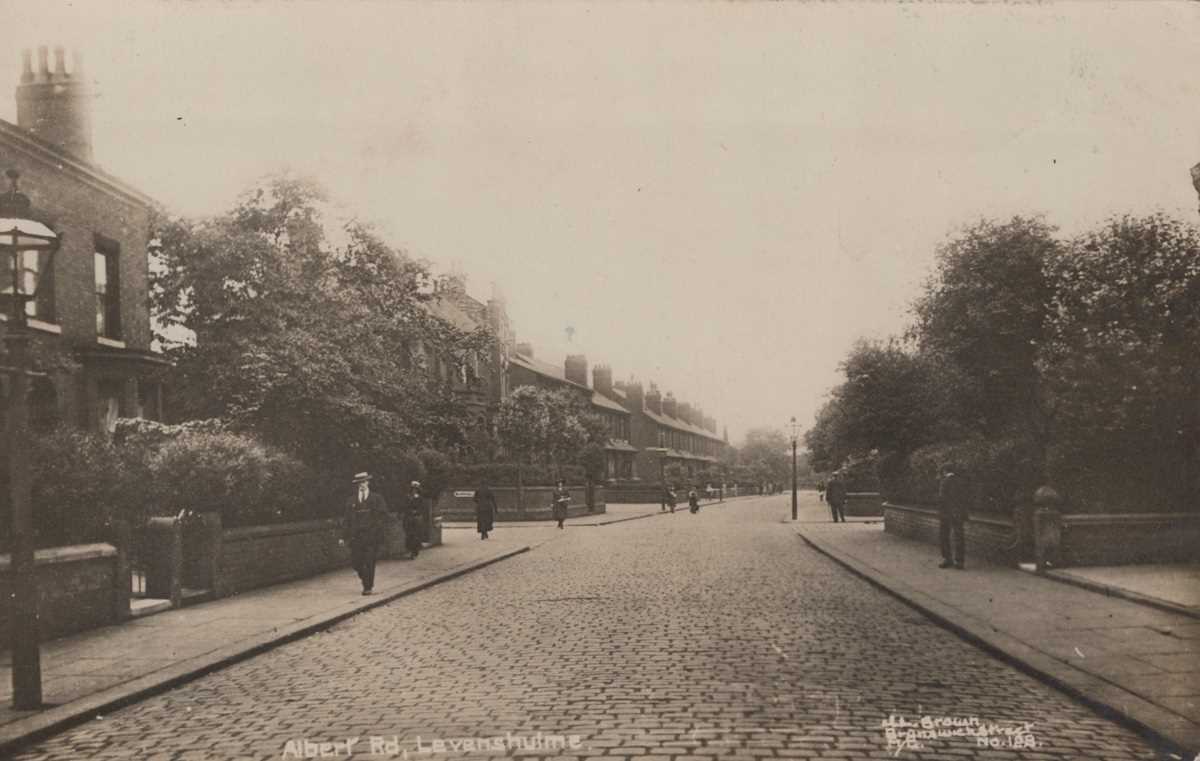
575	369
654	400
56	105
633	392
669	406
602	379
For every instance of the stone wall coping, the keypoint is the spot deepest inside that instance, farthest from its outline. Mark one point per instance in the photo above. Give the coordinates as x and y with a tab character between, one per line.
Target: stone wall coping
245	533
993	520
1128	518
68	554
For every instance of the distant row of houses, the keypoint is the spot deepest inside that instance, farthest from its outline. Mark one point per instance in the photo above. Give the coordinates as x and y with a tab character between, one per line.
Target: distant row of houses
647	428
94	303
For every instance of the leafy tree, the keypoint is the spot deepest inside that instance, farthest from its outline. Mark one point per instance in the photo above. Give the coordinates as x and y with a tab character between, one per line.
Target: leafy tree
1123	365
766	454
984	311
321	347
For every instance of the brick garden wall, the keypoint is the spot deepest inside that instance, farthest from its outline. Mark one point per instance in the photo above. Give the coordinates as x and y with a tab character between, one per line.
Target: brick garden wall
987	537
864	504
259	556
1123	539
537	503
76	588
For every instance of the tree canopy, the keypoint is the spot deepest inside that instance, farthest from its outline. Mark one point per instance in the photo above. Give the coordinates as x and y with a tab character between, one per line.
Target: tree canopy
320	346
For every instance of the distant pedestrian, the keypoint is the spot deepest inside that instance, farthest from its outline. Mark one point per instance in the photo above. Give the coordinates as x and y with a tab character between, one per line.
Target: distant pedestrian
562	500
672	498
693	500
821	491
364	527
708	491
953	494
485	509
835	495
413	520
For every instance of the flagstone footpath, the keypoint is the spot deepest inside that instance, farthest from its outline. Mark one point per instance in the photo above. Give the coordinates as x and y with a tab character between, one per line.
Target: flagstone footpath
1138	663
95	671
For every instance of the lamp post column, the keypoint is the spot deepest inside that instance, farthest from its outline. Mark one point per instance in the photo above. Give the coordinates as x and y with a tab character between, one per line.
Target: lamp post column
26	655
794	503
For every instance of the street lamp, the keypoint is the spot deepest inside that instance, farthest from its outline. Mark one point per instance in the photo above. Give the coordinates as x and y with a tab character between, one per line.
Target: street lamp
24	237
795	438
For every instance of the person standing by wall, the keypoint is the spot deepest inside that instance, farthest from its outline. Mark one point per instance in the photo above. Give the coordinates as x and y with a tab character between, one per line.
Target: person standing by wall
364	528
485	509
835	495
412	521
953	494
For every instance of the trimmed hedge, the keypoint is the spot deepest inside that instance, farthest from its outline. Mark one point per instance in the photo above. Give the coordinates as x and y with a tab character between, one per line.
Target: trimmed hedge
1002	473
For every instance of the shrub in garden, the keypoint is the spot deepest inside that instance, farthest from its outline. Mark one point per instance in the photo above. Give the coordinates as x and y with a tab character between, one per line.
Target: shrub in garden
81	481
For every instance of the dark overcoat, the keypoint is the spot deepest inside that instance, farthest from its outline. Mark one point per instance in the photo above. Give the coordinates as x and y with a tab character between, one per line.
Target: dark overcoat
485	509
366	521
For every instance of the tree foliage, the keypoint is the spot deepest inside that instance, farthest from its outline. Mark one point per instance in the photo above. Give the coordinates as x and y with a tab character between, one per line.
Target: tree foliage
323	347
1033	359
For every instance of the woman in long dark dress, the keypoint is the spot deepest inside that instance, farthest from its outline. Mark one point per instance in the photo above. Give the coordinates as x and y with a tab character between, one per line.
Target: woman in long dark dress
485	509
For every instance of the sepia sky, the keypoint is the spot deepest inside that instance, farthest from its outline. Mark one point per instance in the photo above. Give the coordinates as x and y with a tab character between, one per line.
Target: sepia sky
720	197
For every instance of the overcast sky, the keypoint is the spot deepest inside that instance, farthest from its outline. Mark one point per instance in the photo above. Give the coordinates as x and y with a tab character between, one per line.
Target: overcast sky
717	197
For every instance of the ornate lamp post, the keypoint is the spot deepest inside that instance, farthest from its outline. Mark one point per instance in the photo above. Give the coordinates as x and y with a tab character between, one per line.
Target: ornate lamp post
795	438
30	244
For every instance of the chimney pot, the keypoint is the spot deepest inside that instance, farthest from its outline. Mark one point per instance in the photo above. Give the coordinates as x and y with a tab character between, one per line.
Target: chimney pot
43	72
26	66
60	63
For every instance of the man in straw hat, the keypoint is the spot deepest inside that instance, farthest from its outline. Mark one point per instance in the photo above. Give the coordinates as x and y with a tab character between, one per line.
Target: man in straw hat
365	525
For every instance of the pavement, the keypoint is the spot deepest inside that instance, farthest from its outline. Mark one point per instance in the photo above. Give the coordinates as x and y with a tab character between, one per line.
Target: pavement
89	674
719	636
613	513
1137	662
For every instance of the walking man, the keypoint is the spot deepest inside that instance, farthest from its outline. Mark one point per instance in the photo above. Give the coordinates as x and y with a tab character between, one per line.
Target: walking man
365	523
693	500
485	509
562	500
835	495
412	521
952	516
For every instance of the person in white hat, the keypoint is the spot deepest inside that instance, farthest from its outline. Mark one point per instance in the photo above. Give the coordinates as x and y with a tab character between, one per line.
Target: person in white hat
365	524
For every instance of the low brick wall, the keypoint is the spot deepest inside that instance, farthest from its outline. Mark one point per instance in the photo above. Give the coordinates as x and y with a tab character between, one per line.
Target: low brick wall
1129	538
626	495
987	536
458	504
77	588
259	556
864	504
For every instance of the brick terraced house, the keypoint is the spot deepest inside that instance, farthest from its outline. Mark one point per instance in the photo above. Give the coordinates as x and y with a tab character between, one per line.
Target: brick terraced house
94	303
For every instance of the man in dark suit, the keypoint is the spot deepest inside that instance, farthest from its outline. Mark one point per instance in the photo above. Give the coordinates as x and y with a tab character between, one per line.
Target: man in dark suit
953	495
365	524
835	495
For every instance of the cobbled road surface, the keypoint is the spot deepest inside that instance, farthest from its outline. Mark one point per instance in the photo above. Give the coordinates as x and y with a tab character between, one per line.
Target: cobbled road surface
719	635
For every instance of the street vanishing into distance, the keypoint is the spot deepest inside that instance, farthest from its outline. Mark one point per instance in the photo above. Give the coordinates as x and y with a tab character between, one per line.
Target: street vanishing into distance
715	635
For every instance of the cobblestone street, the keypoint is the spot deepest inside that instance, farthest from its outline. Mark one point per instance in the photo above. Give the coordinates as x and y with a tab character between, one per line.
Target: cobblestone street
683	636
